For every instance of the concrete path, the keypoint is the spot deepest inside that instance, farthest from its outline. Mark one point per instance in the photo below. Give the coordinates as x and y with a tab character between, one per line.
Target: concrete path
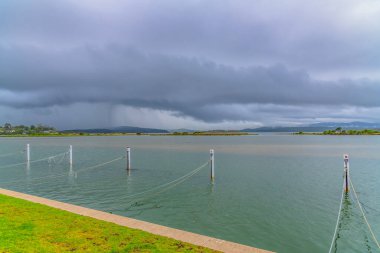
201	240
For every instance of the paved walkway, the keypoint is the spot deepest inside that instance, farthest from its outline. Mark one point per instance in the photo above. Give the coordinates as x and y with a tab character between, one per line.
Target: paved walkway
201	240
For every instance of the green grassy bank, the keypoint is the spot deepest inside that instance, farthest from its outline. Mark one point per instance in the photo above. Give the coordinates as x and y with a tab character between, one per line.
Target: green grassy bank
31	227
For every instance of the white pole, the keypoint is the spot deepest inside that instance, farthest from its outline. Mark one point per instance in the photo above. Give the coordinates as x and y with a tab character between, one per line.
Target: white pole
212	164
128	158
346	171
27	153
71	154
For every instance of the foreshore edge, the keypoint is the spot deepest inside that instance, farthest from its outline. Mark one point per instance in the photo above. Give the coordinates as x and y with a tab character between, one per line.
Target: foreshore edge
180	235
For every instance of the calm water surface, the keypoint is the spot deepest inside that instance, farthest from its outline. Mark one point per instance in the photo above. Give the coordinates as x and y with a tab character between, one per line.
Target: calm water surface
276	192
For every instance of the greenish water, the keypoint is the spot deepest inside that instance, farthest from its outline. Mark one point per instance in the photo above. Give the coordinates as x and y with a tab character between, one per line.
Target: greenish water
276	192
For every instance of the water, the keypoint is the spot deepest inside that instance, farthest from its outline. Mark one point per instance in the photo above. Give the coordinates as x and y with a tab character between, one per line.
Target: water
277	192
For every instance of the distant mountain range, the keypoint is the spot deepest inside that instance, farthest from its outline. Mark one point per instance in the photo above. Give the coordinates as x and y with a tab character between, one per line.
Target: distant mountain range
347	125
120	129
316	127
182	130
287	129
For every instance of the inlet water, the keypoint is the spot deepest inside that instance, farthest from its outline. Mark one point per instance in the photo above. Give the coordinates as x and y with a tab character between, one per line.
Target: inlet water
276	192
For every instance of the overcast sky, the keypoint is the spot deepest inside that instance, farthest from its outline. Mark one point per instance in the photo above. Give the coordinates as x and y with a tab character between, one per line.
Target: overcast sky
189	63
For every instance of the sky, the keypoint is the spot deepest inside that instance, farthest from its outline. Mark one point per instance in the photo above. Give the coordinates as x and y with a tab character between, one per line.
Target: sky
208	64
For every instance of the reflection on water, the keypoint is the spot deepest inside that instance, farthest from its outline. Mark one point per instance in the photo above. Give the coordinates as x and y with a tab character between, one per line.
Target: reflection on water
352	234
345	220
27	172
280	192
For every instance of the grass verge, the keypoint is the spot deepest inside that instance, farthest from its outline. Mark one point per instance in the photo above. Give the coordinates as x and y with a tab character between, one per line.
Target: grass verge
30	227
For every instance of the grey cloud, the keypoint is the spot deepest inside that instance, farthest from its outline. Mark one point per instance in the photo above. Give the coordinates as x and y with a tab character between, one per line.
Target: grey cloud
321	36
213	61
79	115
189	86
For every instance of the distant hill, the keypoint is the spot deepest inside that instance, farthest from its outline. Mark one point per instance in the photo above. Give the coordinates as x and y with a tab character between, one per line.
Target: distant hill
182	130
317	127
119	129
348	125
287	129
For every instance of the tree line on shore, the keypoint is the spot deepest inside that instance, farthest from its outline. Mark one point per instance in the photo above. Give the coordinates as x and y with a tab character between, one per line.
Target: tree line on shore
9	129
340	131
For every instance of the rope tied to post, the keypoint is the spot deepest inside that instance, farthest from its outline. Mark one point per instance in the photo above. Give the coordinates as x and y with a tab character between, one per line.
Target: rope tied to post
49	158
99	165
337	220
150	193
364	216
170	184
12	154
64	174
346	182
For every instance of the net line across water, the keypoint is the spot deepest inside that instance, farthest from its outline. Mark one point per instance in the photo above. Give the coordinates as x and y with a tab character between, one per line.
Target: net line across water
34	161
364	216
159	188
63	174
11	154
168	185
333	241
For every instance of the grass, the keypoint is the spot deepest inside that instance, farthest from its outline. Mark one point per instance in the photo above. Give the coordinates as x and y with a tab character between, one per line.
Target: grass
29	227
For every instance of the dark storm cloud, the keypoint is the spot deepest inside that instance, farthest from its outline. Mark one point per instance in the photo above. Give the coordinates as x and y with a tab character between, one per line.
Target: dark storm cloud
315	35
211	60
33	77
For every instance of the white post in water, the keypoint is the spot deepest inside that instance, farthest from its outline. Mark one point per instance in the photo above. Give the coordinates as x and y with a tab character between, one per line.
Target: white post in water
128	158
346	171
212	164
27	153
71	154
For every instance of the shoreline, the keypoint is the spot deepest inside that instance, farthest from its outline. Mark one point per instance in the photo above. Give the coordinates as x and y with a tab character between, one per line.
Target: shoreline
180	235
322	134
123	134
183	135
